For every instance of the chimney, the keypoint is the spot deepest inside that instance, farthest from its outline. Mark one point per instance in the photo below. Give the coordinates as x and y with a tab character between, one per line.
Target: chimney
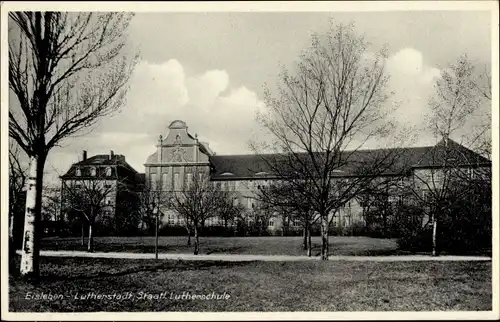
159	150
196	147
84	156
111	154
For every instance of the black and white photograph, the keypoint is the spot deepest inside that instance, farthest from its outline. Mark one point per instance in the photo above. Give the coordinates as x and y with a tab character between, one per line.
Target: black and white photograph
244	160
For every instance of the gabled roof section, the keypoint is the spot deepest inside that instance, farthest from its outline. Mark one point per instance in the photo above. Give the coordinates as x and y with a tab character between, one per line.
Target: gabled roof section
392	161
120	168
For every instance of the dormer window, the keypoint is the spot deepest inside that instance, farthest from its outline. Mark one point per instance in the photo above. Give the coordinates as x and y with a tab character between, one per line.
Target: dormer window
93	172
108	171
78	172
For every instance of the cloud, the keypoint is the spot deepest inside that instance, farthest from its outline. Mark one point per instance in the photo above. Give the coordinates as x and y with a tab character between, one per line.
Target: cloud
222	115
412	81
160	93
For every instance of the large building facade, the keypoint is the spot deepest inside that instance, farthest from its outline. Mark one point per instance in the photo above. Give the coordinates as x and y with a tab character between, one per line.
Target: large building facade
180	156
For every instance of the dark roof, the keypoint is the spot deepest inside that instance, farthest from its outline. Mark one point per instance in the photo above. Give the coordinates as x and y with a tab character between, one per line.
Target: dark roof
141	177
120	167
392	161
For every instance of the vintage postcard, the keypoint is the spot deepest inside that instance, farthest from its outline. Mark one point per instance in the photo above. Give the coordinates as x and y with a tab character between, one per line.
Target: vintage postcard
249	160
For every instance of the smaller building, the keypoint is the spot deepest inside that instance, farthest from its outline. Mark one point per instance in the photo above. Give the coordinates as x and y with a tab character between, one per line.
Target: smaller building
107	185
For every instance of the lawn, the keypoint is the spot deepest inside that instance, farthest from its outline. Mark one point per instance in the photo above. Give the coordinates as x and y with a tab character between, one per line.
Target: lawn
363	246
255	286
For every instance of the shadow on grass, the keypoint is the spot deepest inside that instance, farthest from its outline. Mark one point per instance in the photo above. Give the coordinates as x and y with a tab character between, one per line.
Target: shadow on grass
225	250
333	251
100	268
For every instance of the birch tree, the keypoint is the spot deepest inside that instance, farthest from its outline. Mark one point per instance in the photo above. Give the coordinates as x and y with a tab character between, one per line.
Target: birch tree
322	113
457	97
66	70
17	196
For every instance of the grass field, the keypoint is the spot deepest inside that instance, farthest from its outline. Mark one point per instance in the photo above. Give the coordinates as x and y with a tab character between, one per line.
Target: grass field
363	246
256	286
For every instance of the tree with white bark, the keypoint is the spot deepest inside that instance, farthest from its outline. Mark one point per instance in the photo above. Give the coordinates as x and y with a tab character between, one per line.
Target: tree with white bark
458	96
322	114
17	196
66	70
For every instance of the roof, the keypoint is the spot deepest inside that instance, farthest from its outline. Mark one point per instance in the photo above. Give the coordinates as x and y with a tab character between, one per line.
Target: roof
101	161
392	161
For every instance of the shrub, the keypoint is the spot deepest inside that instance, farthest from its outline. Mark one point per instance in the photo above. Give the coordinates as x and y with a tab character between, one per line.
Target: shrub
463	228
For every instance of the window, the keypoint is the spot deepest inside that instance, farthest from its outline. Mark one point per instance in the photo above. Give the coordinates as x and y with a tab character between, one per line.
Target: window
249	203
271	222
153	181
92	171
164	180
189	179
108	171
296	223
177	182
171	219
107	186
78	172
107	200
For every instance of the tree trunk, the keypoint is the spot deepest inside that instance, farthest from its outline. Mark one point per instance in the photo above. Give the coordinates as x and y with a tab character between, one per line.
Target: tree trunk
90	247
324	237
196	241
11	225
31	242
309	242
304	238
189	236
156	235
434	235
83	233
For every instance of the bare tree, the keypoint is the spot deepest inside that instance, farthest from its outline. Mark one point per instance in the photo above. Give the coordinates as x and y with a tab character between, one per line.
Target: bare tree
322	114
52	208
151	200
284	198
195	203
91	199
66	71
456	98
228	208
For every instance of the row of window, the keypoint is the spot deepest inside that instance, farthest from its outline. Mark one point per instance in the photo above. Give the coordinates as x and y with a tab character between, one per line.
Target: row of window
93	171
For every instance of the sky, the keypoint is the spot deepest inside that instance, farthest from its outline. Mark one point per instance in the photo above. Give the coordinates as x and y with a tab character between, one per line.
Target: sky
210	70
